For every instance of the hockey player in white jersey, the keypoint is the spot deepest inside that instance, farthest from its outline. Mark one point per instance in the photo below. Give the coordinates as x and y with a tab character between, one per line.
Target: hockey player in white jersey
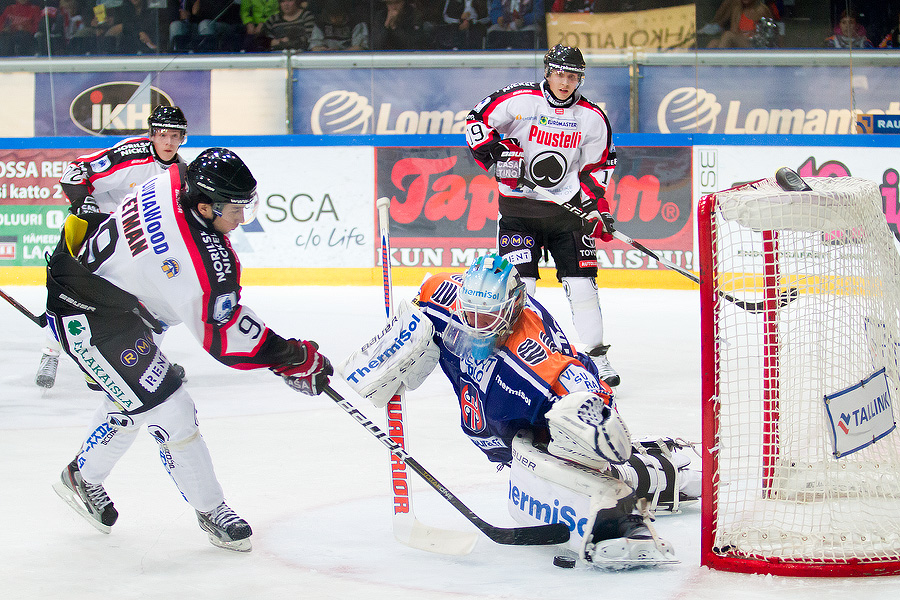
163	256
100	181
551	135
531	402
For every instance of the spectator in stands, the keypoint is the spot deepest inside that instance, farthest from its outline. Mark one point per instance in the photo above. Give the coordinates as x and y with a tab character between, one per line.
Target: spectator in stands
515	23
133	30
337	28
398	25
892	39
742	24
63	23
210	25
465	25
290	28
253	14
849	36
18	25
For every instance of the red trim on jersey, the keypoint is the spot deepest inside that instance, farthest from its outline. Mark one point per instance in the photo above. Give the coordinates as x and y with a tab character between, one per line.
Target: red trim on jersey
191	246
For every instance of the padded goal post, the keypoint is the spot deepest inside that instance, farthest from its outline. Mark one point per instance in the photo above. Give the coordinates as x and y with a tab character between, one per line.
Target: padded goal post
801	457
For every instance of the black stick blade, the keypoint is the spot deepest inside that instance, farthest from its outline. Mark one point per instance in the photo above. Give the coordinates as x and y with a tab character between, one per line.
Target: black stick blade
790	181
540	535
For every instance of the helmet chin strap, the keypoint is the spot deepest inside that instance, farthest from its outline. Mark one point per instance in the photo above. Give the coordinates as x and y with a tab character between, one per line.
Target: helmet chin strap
553	100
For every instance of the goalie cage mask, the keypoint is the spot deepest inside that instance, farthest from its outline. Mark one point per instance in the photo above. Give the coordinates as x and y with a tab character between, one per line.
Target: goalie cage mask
490	301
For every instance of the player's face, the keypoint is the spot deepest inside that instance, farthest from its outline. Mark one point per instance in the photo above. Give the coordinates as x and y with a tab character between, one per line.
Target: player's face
484	321
166	142
563	83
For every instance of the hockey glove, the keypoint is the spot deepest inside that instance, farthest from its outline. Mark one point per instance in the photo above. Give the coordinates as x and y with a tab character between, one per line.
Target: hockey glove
600	223
309	372
88	207
510	163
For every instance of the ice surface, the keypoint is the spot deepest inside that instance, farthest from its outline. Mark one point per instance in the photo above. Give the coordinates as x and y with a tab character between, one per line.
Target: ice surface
314	484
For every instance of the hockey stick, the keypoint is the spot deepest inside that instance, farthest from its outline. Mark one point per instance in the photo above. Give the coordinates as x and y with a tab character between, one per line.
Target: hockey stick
39	320
784	298
537	535
407	528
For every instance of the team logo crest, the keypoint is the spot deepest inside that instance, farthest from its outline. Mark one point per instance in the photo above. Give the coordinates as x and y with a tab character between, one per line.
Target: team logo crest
471	409
171	267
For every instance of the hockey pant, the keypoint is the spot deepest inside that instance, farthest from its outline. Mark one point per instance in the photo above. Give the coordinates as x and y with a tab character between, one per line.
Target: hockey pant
173	424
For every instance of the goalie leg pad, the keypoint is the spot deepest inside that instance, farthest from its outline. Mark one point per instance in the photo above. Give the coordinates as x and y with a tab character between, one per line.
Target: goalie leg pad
404	353
546	489
584	428
660	471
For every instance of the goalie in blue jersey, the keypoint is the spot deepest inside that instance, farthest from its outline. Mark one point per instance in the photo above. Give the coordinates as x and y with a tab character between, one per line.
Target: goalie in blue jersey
530	401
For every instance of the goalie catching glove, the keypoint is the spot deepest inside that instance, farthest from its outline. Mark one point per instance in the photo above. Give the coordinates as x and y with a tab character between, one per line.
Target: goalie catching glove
404	353
307	371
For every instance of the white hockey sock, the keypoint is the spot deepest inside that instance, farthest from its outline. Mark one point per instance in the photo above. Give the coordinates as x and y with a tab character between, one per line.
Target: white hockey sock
183	452
112	434
585	305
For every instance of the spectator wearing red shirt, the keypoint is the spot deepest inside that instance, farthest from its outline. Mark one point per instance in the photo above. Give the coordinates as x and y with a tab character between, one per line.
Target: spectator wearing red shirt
18	24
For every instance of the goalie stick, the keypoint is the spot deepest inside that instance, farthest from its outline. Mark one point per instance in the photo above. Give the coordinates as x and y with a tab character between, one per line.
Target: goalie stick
536	535
407	528
39	320
784	298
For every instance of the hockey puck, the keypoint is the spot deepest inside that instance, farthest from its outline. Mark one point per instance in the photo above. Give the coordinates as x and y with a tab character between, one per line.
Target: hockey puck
564	562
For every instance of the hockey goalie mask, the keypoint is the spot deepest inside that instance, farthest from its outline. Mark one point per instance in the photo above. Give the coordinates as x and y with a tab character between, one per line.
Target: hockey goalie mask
489	302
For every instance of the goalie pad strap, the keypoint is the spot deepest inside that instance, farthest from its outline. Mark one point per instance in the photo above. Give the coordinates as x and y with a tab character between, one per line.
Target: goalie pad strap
667	495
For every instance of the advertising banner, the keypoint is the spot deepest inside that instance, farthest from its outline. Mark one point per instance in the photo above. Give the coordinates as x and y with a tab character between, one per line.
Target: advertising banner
444	206
740	100
659	28
316	208
117	104
32	205
425	101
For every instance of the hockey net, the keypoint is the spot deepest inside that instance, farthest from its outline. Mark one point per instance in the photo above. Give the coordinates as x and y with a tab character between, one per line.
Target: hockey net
801	458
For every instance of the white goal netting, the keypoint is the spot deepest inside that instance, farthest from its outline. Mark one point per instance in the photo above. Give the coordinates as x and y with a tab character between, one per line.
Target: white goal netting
807	460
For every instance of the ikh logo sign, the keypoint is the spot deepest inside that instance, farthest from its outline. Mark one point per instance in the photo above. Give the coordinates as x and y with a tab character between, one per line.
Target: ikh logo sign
860	415
117	107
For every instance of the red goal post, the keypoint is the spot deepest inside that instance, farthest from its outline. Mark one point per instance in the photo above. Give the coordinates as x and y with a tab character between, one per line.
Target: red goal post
801	457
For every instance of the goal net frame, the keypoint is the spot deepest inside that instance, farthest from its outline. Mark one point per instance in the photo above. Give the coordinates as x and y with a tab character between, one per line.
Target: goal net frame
786	491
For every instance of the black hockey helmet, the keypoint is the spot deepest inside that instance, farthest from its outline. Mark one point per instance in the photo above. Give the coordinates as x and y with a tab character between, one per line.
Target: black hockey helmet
564	58
167	117
218	177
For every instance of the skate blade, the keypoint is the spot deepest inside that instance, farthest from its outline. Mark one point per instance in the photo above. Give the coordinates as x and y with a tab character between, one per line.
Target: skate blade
631	554
73	500
243	545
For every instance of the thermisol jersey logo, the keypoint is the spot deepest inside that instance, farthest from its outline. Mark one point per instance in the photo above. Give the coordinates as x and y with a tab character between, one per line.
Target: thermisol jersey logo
112	108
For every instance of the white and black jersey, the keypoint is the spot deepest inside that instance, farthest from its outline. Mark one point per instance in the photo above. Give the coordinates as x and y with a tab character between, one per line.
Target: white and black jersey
568	145
112	174
183	271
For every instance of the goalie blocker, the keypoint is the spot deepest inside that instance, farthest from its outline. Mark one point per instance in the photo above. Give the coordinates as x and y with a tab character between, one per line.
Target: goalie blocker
403	353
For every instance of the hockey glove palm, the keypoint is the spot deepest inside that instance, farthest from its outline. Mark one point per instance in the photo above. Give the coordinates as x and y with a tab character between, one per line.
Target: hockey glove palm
510	165
308	373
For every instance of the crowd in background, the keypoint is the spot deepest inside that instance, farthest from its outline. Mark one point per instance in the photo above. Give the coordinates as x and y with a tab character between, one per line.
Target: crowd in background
90	27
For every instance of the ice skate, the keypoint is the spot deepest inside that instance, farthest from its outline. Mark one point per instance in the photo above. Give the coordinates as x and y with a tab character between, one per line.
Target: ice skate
607	373
87	499
46	374
636	547
226	529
